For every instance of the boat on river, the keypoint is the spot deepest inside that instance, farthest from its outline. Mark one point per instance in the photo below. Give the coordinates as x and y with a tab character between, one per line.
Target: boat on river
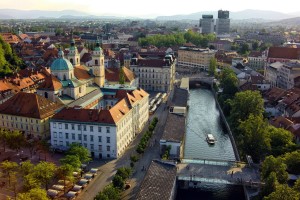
210	139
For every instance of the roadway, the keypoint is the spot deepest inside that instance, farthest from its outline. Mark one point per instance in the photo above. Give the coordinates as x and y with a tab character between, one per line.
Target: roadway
108	168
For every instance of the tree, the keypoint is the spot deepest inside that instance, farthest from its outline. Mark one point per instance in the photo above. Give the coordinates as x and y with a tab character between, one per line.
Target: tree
31	145
110	193
8	169
281	141
121	76
229	82
16	140
4	137
292	160
44	172
80	151
283	192
124	172
296	186
270	184
36	194
255	45
212	66
118	182
26	168
65	172
30	182
72	160
44	147
253	137
276	165
244	49
245	103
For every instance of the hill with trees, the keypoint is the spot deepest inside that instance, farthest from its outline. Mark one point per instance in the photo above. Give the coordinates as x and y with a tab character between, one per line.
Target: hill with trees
9	61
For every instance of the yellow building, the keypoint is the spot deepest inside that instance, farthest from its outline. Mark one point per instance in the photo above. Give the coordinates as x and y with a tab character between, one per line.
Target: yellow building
194	57
29	113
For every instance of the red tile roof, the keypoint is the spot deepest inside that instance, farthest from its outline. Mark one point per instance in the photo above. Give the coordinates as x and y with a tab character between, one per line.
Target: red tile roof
81	73
85	115
283	52
29	105
51	83
112	74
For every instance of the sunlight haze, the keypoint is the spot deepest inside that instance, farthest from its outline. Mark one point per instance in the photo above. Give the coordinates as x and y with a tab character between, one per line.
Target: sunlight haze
149	8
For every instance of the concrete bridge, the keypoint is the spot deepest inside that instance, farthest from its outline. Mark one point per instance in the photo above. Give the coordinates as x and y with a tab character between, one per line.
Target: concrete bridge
191	173
203	81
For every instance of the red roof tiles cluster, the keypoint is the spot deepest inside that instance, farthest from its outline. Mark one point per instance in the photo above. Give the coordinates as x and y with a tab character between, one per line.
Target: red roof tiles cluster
29	105
283	52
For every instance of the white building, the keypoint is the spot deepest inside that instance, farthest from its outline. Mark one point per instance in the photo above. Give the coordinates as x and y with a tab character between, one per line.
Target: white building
105	132
271	73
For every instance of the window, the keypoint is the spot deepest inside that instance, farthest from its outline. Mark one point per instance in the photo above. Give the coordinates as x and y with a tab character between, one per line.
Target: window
60	143
54	125
91	138
84	137
99	128
67	143
108	155
107	139
54	134
60	134
92	147
99	138
59	125
73	136
84	127
66	126
79	137
91	128
55	142
107	148
107	129
85	145
79	127
100	147
79	89
73	127
67	135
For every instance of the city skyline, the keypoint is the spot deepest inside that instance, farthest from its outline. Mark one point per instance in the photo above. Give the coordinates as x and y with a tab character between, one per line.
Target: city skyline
137	9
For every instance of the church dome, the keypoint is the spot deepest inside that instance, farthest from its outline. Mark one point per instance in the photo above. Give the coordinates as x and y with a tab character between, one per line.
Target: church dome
61	64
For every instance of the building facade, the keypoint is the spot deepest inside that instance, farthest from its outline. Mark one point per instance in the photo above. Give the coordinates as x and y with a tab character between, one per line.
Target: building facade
207	24
155	74
223	22
195	57
105	132
29	113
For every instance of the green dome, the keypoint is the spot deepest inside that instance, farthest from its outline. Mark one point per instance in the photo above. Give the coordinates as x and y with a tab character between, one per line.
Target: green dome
61	64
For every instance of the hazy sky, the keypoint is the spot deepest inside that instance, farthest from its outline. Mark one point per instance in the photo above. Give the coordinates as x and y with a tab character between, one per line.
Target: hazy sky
149	8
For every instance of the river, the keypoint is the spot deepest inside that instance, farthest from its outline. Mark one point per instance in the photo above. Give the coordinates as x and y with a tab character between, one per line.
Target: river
203	118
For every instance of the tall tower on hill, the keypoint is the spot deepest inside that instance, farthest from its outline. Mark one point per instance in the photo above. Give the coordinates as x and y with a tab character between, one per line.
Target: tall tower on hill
98	65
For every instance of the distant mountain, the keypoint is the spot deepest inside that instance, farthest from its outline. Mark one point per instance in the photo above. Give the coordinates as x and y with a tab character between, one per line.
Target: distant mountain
287	22
34	14
245	14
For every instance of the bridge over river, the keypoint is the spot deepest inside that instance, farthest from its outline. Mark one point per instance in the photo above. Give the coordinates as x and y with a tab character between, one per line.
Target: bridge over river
195	172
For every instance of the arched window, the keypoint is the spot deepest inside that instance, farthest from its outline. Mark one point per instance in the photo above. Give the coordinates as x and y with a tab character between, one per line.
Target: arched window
71	60
77	60
46	95
96	62
65	78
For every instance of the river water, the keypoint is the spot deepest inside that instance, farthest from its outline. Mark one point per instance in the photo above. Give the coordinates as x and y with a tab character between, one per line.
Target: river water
204	118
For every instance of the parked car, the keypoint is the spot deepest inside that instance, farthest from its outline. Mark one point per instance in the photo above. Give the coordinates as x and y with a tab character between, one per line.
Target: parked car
83	182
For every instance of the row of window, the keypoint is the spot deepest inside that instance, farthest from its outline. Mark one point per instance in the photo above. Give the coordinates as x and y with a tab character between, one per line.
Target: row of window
16	119
91	147
79	137
80	127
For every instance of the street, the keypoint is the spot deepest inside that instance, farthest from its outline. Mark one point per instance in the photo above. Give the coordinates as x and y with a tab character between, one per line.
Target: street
107	169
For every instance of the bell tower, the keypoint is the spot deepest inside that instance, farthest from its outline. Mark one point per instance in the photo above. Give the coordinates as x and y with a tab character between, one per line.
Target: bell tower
98	65
73	55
